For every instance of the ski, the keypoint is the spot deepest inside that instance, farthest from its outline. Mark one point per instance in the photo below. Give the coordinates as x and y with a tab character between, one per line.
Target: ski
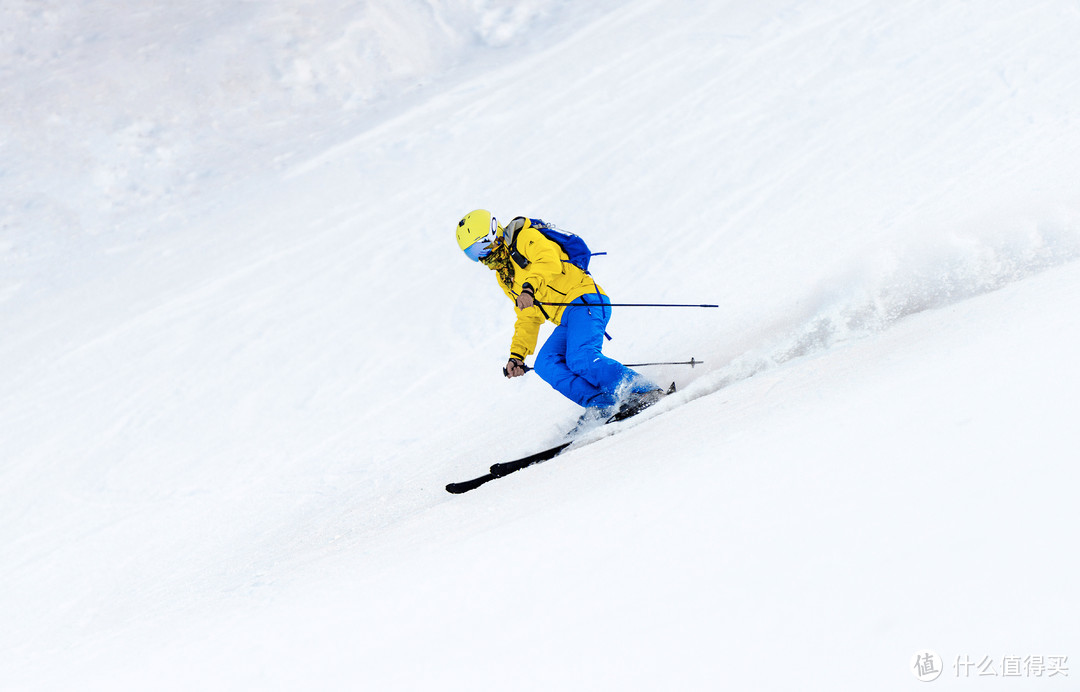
505	468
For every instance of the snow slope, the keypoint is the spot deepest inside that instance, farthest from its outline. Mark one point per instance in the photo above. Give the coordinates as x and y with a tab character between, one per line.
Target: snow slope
241	354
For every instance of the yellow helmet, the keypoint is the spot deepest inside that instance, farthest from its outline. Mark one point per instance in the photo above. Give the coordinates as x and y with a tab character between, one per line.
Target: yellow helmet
476	233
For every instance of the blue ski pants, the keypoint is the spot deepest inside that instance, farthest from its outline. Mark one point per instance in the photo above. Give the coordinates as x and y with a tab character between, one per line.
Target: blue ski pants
571	361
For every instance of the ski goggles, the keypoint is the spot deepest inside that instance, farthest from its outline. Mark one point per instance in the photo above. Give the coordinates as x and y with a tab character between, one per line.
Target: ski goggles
479	250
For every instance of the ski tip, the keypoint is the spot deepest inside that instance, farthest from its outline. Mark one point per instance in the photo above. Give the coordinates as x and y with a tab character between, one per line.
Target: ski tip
466	486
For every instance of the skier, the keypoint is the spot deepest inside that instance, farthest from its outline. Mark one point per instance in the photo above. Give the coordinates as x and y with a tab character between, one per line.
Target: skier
534	270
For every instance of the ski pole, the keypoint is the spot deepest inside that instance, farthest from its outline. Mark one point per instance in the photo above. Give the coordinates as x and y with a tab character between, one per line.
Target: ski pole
692	362
630	305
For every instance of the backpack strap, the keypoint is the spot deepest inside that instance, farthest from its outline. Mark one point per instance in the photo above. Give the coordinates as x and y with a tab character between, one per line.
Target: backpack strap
511	230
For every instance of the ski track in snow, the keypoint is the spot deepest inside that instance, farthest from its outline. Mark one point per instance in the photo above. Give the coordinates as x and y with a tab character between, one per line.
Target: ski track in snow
241	354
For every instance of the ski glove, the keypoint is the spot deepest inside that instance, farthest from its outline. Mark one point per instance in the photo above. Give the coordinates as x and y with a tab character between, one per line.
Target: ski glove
526	299
514	368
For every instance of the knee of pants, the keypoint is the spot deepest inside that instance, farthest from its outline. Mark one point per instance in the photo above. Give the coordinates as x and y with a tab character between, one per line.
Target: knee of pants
583	360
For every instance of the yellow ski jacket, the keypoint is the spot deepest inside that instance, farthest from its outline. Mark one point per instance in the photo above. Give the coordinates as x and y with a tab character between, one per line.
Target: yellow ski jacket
553	280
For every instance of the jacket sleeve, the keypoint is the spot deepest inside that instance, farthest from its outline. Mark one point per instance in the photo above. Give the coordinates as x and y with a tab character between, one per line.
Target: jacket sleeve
544	265
526	332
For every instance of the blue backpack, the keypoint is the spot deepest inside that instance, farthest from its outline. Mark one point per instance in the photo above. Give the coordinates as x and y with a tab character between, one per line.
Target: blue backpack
574	247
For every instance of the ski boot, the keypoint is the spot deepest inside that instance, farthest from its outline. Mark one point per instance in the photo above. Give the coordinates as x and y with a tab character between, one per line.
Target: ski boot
638	402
